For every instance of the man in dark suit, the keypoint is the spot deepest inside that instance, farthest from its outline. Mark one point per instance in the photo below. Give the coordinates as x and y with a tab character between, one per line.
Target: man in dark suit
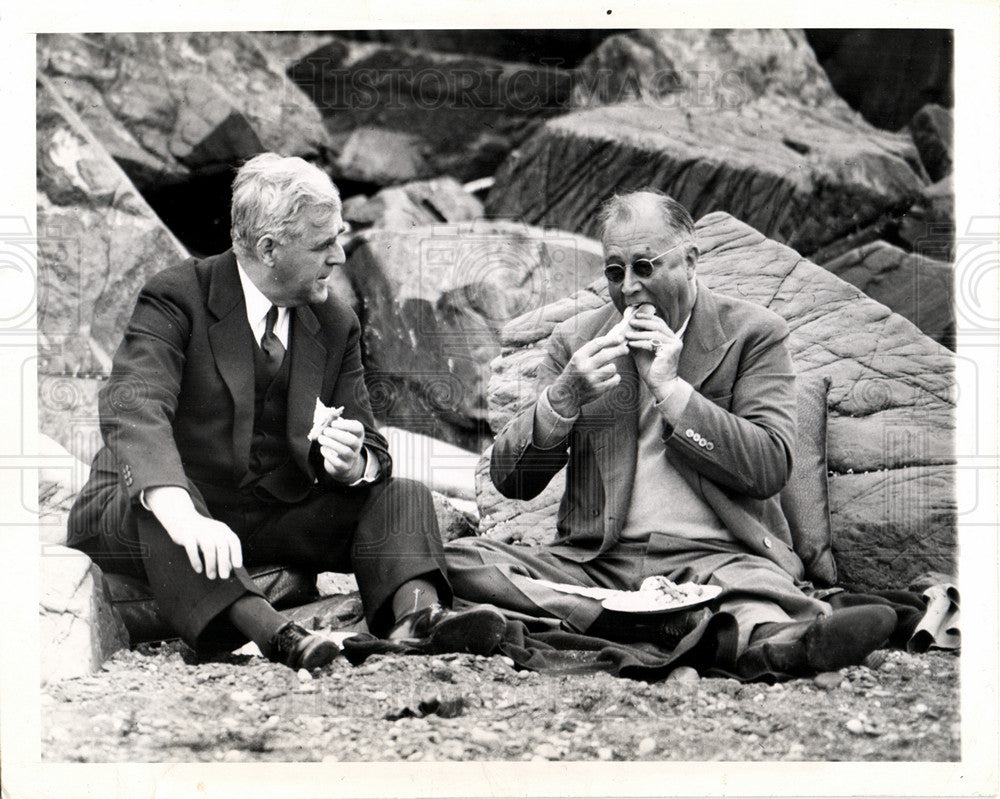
210	462
677	429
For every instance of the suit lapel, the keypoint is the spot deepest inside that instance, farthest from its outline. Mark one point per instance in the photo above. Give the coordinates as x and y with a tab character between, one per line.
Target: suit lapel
705	341
232	349
305	380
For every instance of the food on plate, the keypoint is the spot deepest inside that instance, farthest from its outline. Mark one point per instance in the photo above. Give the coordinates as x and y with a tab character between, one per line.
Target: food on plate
322	416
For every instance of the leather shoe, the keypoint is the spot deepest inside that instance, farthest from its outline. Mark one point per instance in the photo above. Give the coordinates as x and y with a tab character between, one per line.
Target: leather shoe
478	630
844	638
298	648
632	628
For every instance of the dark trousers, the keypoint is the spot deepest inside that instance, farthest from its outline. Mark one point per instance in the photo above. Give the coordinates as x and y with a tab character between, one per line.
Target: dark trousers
386	534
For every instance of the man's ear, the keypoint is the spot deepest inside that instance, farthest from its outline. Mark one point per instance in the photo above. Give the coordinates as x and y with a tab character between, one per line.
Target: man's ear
692	258
265	249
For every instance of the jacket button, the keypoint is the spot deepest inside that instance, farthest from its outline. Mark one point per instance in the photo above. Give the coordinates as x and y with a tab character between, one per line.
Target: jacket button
767	542
709	446
595	512
689	433
702	443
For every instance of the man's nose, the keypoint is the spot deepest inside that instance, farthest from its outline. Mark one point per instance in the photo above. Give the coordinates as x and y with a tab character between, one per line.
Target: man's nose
335	255
631	284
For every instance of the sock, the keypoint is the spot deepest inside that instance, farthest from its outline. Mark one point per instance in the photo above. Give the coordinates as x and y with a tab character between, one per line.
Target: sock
253	616
413	595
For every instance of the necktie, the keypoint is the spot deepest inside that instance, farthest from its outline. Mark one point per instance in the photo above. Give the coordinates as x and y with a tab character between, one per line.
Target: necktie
271	345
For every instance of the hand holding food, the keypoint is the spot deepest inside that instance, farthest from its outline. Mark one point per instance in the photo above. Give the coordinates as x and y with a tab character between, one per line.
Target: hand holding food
322	416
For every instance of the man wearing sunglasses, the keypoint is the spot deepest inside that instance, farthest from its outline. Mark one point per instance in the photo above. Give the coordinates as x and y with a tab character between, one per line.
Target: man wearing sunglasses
673	409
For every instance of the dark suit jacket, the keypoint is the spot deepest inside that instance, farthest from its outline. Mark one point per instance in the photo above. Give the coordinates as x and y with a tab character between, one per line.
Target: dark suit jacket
179	404
743	408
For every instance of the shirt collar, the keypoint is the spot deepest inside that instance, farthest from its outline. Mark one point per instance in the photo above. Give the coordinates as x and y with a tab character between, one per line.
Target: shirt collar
257	304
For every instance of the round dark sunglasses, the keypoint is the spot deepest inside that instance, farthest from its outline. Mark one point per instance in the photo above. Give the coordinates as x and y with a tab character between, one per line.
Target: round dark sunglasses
643	267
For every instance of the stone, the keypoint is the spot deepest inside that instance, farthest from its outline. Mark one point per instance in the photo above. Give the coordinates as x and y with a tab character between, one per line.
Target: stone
98	242
696	66
891	406
565	47
422	202
828	680
444	468
79	627
928	227
933	132
802	176
456	518
169	104
433	302
916	287
396	114
887	74
684	675
59	480
646	747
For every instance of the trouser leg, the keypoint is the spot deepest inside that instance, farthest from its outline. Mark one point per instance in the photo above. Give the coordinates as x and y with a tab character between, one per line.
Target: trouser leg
386	534
508	577
754	589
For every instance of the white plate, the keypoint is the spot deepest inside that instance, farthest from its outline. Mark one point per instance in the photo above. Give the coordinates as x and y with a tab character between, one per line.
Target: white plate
655	602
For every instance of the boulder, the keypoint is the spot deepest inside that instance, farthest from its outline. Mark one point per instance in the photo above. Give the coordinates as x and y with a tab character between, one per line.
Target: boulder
67	414
928	227
803	176
60	478
933	132
79	627
169	104
891	404
563	47
398	114
433	302
98	242
887	73
716	68
423	202
915	287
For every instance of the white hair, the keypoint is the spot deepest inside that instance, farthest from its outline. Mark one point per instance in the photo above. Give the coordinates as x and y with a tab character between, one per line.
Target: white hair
270	193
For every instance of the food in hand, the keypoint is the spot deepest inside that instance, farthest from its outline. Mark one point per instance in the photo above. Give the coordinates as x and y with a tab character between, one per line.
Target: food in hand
322	416
619	330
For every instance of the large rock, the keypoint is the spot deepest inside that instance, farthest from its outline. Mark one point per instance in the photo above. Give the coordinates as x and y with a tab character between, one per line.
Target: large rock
79	628
397	114
98	242
168	104
928	226
892	394
913	286
887	73
803	176
434	301
67	413
564	47
696	66
933	132
423	202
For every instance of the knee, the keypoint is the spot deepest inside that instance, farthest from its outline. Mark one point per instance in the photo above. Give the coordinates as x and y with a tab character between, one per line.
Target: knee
407	490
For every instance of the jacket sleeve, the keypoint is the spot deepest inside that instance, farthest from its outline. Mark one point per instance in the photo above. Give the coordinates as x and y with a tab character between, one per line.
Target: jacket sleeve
746	448
139	400
350	391
518	468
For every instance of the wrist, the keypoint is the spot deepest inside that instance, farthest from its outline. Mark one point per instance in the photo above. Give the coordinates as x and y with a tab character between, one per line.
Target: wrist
562	400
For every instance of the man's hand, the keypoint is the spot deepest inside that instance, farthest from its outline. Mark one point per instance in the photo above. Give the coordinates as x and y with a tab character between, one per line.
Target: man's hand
656	350
341	445
590	373
202	538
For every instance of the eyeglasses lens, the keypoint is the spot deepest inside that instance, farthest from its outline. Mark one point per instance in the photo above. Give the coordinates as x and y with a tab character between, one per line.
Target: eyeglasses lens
615	273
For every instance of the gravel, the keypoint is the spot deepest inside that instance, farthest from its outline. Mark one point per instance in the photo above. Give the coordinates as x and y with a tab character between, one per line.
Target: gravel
158	703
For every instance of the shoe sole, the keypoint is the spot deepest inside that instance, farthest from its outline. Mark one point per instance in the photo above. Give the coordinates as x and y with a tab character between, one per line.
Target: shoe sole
478	632
848	636
318	655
